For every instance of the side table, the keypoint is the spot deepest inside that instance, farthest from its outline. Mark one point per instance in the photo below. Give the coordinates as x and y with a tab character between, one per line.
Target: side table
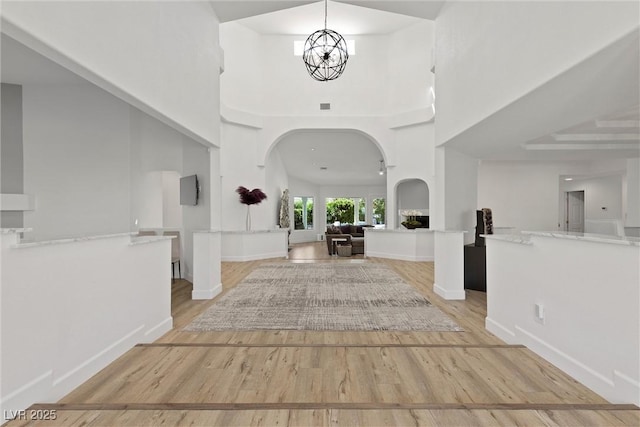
334	244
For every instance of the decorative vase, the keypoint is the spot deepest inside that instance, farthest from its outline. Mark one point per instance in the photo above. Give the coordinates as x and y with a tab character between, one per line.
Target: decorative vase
248	218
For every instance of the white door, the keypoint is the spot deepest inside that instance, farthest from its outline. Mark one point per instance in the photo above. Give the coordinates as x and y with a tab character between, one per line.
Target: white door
575	211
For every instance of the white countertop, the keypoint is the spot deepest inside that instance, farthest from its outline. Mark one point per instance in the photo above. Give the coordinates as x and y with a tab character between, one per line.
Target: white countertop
14	230
587	237
143	240
397	230
513	238
70	240
275	230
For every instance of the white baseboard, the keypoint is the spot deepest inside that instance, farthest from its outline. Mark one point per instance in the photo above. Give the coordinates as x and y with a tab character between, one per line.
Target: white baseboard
36	390
625	386
625	390
253	257
66	382
500	331
206	293
158	330
618	389
449	295
414	258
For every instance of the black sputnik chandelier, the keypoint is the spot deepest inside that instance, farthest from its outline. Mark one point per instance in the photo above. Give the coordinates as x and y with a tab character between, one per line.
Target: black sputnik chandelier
325	53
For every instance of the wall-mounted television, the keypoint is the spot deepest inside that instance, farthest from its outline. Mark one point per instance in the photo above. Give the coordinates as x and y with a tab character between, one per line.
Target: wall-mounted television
189	190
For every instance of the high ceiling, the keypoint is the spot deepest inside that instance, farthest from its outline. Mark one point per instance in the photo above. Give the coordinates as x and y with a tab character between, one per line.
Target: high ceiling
566	119
331	158
343	18
231	10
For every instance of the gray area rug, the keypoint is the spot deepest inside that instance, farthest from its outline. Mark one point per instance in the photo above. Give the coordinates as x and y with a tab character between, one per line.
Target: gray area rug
323	297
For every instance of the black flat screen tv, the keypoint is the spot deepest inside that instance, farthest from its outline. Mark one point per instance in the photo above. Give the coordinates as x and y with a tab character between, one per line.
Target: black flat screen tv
189	190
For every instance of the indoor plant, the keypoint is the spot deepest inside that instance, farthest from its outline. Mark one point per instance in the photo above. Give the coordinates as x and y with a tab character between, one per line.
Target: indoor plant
411	222
250	197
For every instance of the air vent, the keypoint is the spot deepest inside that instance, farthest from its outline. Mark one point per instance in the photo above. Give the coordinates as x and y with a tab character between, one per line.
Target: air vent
323	168
325	106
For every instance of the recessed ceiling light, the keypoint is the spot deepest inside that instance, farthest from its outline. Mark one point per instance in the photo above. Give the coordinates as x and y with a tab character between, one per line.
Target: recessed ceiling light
313	149
568	179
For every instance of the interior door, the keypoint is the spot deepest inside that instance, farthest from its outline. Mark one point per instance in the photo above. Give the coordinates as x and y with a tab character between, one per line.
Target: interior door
575	211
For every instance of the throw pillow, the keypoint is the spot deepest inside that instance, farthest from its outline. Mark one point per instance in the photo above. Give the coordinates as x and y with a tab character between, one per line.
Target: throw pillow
332	229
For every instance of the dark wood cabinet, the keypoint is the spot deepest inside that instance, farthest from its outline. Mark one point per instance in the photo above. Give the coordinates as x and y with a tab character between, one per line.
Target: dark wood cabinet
475	267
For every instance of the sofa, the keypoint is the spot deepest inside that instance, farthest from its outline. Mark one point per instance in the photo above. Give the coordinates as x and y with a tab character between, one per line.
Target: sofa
353	233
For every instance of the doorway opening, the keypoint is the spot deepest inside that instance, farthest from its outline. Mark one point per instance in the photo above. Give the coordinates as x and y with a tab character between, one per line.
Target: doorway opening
574	218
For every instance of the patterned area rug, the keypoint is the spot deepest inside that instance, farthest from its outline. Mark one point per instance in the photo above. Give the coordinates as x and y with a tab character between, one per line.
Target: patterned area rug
323	297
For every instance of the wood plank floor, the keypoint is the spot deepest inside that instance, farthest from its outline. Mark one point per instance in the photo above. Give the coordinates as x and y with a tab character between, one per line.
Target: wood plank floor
310	378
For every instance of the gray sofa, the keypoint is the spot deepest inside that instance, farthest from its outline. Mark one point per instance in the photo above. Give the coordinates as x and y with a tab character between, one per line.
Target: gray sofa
353	233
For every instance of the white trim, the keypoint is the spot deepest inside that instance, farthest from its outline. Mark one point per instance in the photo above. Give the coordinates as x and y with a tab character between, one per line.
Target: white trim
76	376
24	396
207	293
415	258
500	331
447	294
596	381
159	330
254	257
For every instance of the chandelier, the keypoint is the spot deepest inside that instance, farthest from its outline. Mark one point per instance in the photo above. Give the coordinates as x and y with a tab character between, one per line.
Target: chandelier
325	53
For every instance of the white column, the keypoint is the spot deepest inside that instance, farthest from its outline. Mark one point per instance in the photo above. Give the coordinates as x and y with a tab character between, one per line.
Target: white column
207	282
449	264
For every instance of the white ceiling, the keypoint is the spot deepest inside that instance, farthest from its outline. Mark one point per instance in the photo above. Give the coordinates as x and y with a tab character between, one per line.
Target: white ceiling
604	87
21	65
343	18
527	129
350	157
231	10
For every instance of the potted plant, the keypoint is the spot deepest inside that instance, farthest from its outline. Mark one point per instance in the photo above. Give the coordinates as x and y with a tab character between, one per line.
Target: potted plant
411	222
250	197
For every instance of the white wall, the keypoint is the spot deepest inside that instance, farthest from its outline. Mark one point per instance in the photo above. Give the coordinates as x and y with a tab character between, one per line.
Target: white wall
477	43
195	161
239	167
277	181
12	167
384	77
171	209
460	177
175	83
82	304
241	84
599	192
529	196
76	161
632	218
409	62
566	277
415	159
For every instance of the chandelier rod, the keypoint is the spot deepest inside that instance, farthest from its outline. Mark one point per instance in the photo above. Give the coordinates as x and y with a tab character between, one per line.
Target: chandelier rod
325	14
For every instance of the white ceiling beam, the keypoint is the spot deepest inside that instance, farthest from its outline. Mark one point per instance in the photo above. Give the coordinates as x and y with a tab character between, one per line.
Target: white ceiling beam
618	123
596	137
599	146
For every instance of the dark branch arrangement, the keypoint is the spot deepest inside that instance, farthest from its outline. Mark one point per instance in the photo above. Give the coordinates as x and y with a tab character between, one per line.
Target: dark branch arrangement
250	197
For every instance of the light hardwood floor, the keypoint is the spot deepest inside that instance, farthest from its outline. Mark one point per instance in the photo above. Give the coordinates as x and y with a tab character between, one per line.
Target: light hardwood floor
309	378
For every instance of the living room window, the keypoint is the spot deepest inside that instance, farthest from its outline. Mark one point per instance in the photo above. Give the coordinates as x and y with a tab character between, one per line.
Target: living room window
303	213
379	209
343	210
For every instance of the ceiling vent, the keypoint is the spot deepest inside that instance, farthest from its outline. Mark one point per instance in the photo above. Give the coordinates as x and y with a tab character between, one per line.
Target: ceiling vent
325	106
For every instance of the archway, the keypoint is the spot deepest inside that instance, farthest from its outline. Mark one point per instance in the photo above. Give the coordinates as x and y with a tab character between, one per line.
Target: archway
412	199
322	164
